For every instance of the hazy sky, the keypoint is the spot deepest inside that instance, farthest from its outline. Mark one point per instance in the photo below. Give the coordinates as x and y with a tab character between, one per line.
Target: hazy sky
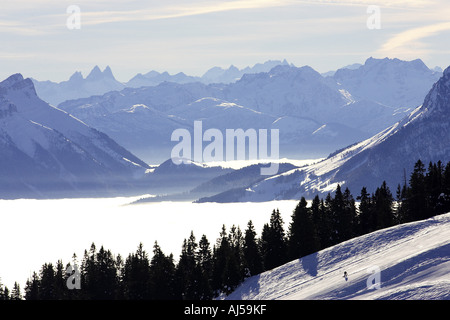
192	36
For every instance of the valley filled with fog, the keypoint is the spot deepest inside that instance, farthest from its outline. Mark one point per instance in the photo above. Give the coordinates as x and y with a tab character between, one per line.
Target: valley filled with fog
44	231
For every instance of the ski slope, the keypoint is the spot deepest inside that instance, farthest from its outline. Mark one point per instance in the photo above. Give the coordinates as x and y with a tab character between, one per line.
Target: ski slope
413	260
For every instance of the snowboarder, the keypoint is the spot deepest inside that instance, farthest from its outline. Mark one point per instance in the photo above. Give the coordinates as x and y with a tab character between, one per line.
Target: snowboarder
345	275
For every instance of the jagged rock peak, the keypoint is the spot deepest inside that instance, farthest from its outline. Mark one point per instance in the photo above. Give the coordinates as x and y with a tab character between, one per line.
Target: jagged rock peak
94	74
11	80
77	76
17	82
108	72
438	99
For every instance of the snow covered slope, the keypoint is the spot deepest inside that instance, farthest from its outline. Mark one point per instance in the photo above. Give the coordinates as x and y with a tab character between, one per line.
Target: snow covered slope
391	82
413	261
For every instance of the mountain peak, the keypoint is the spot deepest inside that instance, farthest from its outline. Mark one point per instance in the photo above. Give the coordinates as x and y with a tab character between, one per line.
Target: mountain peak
416	64
95	74
282	68
370	62
446	72
419	65
77	76
11	80
438	99
17	82
108	73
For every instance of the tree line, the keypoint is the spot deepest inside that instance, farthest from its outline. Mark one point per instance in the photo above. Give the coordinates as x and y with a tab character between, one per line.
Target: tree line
205	271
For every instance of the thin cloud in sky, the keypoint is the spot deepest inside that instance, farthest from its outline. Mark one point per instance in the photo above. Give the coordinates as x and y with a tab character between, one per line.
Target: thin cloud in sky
99	17
99	12
15	27
404	41
207	7
382	3
41	23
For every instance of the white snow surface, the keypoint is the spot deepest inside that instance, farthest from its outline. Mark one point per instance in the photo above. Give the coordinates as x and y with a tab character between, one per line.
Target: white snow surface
413	259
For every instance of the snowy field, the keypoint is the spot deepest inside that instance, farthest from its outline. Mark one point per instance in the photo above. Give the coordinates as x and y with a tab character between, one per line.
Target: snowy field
410	261
34	232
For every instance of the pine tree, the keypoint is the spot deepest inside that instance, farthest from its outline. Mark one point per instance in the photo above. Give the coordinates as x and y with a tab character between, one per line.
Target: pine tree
205	264
32	287
302	232
185	273
16	294
317	217
60	282
89	273
366	212
236	271
162	275
252	254
338	221
265	245
135	275
4	292
47	282
416	196
226	269
383	206
98	274
120	265
349	218
220	253
273	242
106	275
327	231
434	189
401	212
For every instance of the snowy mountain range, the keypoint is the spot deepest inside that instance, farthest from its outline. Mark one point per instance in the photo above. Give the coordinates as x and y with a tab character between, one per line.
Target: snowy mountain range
100	82
316	115
387	156
46	152
213	75
82	141
412	261
97	82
